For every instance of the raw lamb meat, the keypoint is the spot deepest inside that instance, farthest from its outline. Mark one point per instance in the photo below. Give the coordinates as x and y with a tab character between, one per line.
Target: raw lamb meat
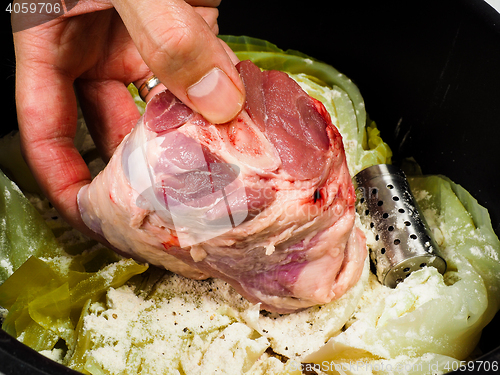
264	202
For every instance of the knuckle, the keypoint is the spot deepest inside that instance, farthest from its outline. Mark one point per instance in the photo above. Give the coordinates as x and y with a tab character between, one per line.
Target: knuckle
177	45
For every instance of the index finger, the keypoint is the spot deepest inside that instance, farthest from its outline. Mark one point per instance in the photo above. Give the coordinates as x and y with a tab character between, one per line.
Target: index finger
182	51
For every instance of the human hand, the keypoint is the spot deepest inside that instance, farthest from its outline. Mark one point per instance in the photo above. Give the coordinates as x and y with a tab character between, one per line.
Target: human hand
99	47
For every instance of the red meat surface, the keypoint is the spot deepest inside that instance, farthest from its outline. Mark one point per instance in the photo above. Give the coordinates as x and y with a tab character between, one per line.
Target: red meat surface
264	202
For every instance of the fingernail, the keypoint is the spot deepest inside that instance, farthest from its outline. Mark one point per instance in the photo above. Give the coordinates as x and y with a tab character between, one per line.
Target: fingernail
216	97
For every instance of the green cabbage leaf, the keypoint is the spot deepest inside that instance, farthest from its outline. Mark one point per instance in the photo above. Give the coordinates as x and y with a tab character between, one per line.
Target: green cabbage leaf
44	288
23	231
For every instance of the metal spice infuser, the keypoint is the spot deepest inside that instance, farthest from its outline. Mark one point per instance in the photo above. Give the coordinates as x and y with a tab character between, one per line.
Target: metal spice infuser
403	240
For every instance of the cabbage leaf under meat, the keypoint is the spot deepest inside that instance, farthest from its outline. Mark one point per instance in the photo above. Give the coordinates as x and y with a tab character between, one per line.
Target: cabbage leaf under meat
341	97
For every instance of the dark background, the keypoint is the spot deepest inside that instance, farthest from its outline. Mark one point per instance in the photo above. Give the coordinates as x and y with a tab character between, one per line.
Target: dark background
432	66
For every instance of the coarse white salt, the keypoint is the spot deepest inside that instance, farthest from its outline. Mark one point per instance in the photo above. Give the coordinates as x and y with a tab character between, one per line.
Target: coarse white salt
6	265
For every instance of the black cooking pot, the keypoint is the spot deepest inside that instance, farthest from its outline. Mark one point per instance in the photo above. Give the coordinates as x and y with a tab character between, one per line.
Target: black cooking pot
429	72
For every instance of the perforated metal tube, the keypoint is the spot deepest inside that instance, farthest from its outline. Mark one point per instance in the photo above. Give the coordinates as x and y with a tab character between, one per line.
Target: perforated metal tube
403	241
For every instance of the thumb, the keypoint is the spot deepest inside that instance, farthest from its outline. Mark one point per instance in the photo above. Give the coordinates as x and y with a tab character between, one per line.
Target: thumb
183	52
